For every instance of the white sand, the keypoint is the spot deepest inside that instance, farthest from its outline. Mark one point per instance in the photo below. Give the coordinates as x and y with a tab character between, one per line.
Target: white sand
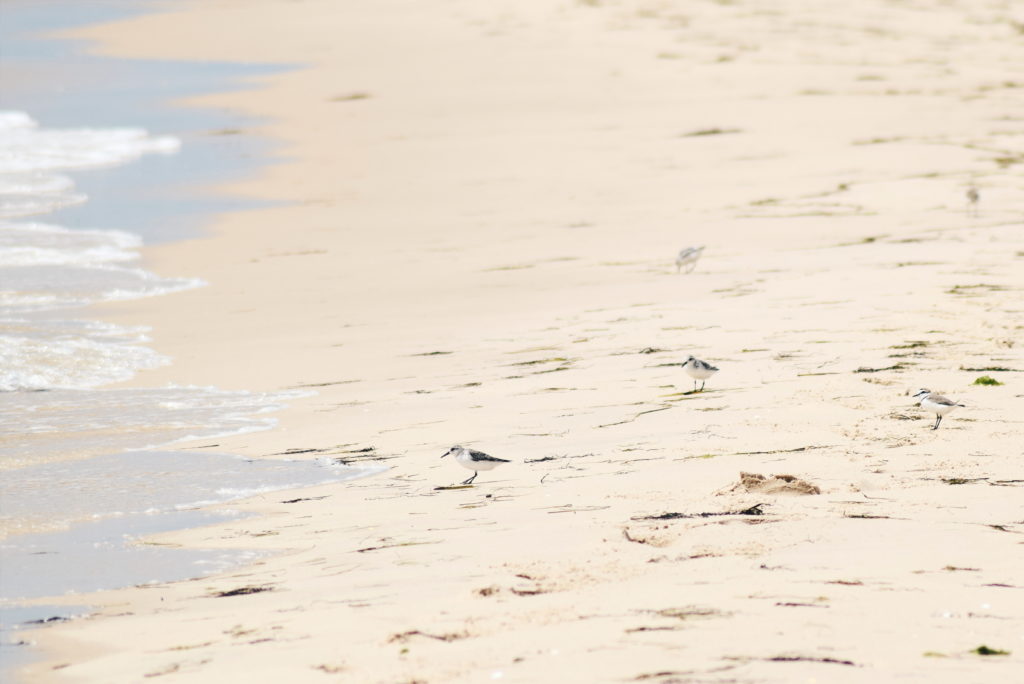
509	182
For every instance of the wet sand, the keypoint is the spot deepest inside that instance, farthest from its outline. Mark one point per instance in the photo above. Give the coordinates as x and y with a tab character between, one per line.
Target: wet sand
483	208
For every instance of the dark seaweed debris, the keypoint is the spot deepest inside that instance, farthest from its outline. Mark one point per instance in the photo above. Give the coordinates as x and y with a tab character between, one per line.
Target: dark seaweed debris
242	591
753	510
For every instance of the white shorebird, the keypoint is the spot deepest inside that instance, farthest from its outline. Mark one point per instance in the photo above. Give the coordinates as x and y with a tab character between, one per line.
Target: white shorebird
474	460
688	257
936	403
698	370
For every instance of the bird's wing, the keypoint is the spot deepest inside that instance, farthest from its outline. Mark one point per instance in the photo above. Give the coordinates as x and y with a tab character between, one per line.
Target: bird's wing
481	456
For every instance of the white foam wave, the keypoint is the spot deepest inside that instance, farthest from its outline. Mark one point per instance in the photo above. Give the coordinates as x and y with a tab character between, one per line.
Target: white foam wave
25	147
45	267
30	158
77	362
29	244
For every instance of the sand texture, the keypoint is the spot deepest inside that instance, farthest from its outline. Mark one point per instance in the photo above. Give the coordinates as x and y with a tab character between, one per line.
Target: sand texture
478	208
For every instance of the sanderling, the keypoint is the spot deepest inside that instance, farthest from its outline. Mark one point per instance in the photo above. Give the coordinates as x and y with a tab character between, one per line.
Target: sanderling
936	403
698	370
688	257
474	460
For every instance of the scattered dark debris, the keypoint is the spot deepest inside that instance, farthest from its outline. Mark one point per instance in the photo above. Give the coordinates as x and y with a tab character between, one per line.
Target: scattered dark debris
962	480
911	344
393	546
1006	483
986	651
488	591
793	604
688	612
535	362
753	510
863	241
969	289
867	516
709	131
953	568
350	97
526	592
651	350
329	669
847	583
173	667
695	556
540	460
781	451
638	540
688	674
189	647
991	369
1001	585
361	454
405	636
432	353
630	420
296	451
324	384
449	487
49	620
807	659
896	366
242	591
908	355
668	628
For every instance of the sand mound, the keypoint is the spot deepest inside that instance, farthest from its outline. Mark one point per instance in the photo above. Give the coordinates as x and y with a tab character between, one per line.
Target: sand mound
776	484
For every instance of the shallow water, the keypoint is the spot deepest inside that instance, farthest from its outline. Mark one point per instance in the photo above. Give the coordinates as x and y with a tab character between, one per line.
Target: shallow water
93	163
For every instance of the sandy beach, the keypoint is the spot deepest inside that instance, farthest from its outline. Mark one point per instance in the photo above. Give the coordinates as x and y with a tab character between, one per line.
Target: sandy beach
475	217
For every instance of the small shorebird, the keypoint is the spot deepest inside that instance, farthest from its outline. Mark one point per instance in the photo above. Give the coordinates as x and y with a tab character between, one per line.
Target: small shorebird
474	460
698	370
973	197
688	257
936	403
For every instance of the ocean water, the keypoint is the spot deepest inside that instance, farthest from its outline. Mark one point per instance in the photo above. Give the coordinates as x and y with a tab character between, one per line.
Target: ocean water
86	470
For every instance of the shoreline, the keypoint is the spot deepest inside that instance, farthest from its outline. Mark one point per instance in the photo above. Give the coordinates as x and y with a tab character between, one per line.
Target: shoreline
520	299
42	526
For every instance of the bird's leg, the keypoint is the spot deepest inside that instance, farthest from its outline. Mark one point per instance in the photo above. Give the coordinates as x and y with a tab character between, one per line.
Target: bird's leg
701	385
470	480
938	419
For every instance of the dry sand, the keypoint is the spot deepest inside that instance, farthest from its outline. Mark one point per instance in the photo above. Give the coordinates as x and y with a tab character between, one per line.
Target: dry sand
482	204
